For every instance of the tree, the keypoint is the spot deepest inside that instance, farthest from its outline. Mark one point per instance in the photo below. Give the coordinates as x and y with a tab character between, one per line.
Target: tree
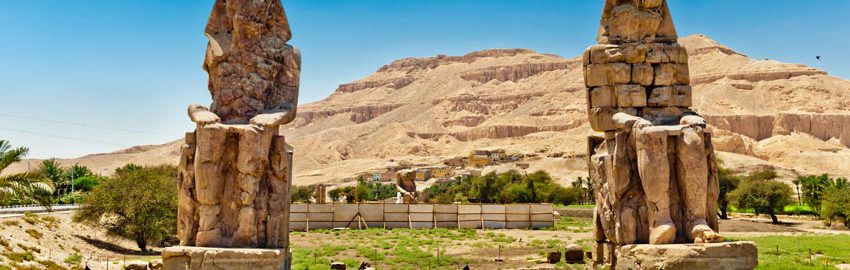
52	170
302	193
763	196
836	203
21	188
813	187
137	203
728	182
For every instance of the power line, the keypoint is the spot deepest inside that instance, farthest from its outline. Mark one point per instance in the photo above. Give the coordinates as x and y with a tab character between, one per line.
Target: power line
62	137
83	125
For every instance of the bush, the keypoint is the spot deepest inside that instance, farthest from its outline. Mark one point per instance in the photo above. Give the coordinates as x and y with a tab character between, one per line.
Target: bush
364	191
137	203
35	234
764	196
508	187
74	259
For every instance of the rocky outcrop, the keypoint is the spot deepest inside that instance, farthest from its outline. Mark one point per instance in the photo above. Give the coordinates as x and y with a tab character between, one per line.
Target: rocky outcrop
515	72
821	126
772	75
413	64
359	114
394	83
489	105
497	132
467	121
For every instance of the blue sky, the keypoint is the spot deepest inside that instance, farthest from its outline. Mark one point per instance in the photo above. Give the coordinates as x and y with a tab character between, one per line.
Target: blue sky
80	77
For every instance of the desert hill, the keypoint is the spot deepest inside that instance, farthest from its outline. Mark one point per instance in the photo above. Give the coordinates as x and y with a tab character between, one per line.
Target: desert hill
423	110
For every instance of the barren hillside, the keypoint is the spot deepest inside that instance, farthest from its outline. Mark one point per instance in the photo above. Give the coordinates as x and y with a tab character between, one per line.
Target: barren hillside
765	113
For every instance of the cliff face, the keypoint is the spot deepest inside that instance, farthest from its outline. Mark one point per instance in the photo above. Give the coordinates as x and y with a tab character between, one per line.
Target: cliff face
821	126
423	110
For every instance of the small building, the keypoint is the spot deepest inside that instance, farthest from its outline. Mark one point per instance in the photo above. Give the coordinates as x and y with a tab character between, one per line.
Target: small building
498	155
388	176
480	158
423	174
376	176
441	172
458	162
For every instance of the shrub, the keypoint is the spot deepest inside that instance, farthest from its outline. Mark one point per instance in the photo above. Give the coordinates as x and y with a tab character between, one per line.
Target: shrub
74	259
137	203
302	193
35	234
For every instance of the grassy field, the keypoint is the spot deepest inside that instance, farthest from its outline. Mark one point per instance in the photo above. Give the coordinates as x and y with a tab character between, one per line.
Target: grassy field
808	251
434	248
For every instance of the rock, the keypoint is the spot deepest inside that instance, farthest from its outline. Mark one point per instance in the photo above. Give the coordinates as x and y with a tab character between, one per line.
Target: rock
630	96
553	257
671	74
607	74
838	226
602	97
671	96
136	265
643	74
199	258
155	264
234	172
337	266
394	83
251	68
573	254
514	73
729	255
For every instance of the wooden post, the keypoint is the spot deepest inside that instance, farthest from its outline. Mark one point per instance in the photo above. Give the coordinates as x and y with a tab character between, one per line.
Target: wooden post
308	218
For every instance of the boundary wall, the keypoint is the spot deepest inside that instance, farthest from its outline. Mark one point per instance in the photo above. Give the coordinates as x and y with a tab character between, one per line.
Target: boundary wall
305	217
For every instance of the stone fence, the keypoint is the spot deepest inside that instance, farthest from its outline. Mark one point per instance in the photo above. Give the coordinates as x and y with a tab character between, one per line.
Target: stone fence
305	217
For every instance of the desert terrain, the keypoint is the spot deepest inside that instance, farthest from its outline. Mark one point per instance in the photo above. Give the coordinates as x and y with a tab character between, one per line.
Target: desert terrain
763	113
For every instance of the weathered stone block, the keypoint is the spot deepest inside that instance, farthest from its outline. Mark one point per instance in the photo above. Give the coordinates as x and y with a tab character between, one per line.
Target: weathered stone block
626	53
664	115
671	74
666	53
643	74
201	258
630	96
671	96
607	74
719	256
602	97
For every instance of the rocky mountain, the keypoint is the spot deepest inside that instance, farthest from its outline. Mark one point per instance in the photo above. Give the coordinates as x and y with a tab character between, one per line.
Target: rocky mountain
422	110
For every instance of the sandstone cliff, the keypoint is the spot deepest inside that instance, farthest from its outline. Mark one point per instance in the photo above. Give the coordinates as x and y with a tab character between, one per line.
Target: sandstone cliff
763	112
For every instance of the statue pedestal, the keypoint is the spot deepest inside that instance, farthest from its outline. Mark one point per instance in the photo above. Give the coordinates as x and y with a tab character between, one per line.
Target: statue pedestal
198	258
717	256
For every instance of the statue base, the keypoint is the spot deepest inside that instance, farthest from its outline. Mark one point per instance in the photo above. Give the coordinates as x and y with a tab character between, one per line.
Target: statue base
206	258
715	256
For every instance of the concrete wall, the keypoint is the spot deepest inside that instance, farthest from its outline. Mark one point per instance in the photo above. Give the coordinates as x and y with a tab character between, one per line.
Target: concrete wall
420	216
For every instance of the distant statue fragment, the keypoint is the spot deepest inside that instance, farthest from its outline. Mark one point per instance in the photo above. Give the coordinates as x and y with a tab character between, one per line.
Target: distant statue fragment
652	170
406	185
235	169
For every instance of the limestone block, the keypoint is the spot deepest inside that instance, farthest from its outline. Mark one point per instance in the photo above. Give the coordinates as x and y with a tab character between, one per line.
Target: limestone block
671	74
728	255
671	96
642	74
601	119
607	74
630	96
602	97
628	23
666	53
199	258
626	53
573	254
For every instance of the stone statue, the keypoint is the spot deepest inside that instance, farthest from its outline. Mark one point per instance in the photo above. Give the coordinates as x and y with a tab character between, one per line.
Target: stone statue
406	185
652	171
235	169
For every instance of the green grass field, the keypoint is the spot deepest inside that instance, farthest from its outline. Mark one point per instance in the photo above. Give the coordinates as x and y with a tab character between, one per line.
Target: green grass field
793	252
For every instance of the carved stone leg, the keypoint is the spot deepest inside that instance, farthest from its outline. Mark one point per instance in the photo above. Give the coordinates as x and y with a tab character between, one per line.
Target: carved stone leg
187	226
254	144
208	185
277	229
654	170
692	168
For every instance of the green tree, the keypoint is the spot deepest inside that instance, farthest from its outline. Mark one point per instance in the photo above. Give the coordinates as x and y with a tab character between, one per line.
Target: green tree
21	188
52	170
137	203
813	187
302	193
728	182
836	203
764	196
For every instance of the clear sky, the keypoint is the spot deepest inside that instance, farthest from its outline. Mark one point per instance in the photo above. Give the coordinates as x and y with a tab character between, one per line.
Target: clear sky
80	77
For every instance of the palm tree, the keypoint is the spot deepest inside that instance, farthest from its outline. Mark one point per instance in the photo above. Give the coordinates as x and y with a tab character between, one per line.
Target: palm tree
53	171
22	187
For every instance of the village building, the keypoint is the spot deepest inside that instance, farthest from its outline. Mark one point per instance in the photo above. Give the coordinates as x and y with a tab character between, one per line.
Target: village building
480	158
